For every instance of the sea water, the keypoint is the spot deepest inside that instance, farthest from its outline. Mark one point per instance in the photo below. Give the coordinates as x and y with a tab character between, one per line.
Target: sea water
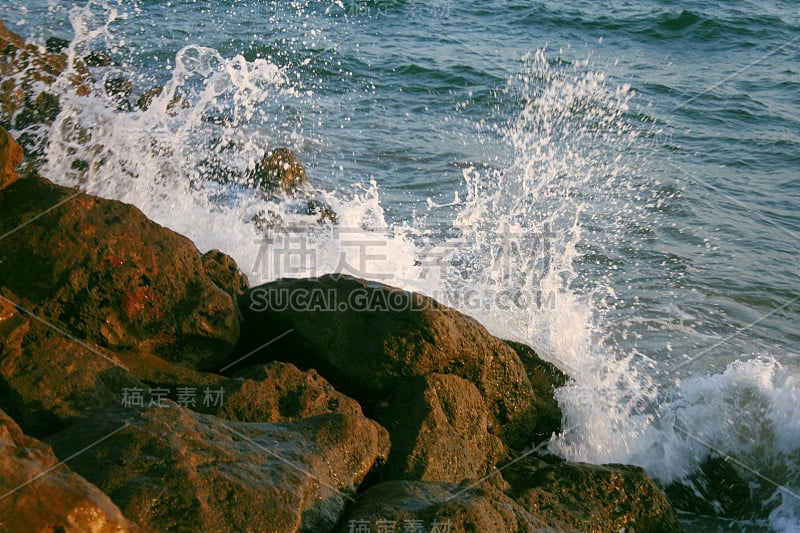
617	185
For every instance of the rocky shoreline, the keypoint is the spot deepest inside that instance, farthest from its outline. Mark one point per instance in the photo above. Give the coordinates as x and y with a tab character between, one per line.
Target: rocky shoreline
145	386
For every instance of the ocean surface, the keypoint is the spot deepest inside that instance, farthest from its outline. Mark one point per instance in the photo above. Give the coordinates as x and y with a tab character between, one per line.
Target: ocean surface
616	184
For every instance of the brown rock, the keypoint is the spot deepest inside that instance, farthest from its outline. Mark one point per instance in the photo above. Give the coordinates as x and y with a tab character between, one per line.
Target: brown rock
368	339
47	380
35	499
147	98
8	37
172	469
111	276
10	157
279	170
427	506
43	109
24	69
439	429
545	379
225	273
591	497
280	392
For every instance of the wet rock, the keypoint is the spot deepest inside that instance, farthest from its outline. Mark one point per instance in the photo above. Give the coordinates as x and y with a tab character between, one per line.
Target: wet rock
439	507
26	70
146	98
323	210
373	338
280	170
118	90
111	276
10	158
225	273
98	59
545	378
10	39
590	497
439	430
172	469
266	220
59	500
55	45
43	109
717	489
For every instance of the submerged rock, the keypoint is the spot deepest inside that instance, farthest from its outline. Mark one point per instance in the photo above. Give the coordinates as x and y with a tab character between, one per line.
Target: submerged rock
98	59
37	495
279	170
118	91
172	469
55	44
717	489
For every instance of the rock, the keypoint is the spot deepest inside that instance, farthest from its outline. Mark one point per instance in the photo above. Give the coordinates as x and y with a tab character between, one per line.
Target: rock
591	497
439	507
280	392
439	430
40	110
55	45
27	71
9	38
54	500
373	338
144	101
98	59
111	276
266	220
545	379
118	90
225	273
279	170
172	469
177	102
325	212
717	489
10	158
47	380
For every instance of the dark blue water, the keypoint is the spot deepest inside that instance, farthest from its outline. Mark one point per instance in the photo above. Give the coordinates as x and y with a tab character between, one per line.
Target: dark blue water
657	142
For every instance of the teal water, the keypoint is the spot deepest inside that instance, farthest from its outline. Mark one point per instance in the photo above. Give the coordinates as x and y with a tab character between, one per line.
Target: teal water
656	144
